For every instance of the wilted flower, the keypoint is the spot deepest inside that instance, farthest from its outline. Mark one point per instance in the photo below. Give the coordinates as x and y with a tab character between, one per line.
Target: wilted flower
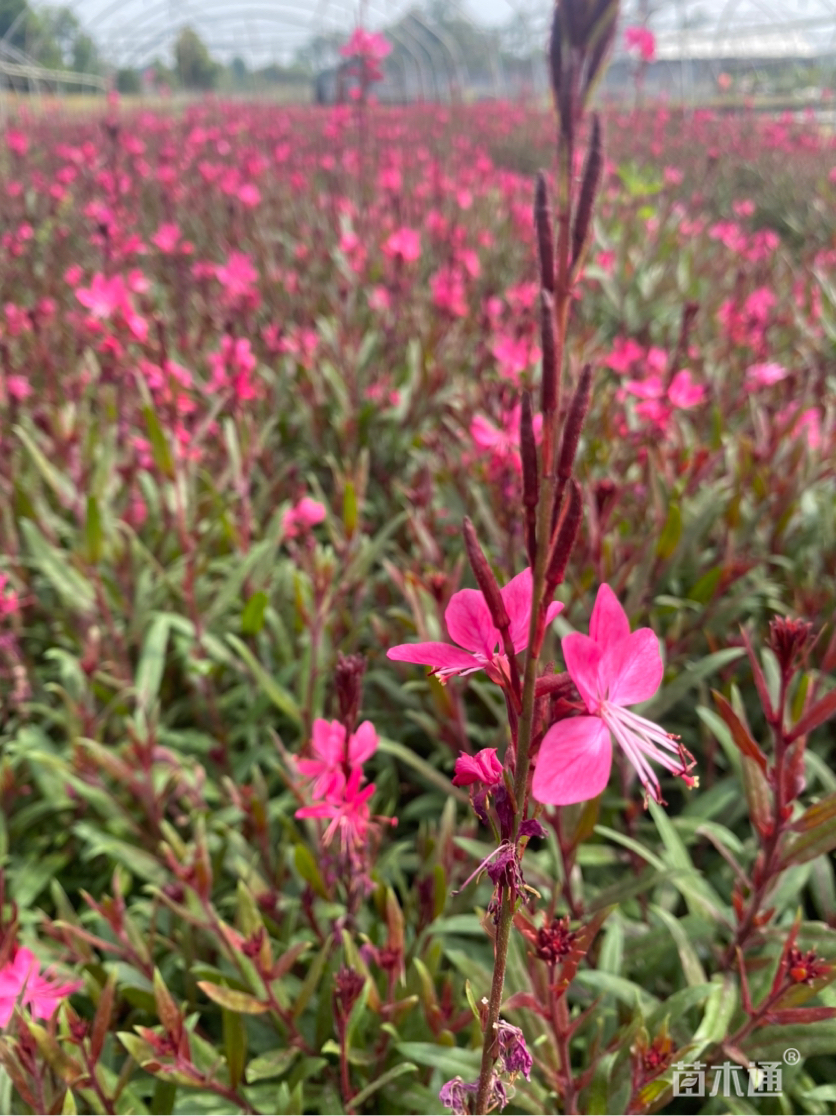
484	767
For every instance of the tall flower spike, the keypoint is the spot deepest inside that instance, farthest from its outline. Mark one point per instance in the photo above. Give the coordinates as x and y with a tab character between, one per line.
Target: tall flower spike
612	668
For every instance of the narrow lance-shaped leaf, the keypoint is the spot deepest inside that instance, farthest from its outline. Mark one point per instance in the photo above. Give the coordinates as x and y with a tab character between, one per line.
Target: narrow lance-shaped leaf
821	711
740	734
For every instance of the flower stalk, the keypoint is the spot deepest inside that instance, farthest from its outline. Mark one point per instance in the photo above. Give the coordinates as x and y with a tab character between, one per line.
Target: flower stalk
577	29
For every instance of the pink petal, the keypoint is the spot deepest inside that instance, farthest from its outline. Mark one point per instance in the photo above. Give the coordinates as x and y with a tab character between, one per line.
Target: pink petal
631	669
329	740
583	657
321	810
554	608
516	597
469	622
574	762
362	744
439	656
609	621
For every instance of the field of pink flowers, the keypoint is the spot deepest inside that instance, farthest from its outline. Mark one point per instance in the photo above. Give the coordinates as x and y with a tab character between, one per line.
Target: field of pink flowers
256	367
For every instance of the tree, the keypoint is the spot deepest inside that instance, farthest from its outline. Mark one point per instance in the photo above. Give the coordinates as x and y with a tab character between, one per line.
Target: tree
14	17
128	80
195	65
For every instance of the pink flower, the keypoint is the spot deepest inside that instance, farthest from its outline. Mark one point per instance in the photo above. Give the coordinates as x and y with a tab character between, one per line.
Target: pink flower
232	367
237	276
18	387
405	243
484	767
109	297
504	441
366	44
763	375
303	515
332	758
612	668
514	355
20	982
448	292
684	392
626	352
166	238
9	600
642	41
469	624
349	814
249	195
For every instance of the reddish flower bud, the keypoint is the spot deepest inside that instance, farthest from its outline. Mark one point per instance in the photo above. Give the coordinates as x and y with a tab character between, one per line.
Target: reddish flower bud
484	767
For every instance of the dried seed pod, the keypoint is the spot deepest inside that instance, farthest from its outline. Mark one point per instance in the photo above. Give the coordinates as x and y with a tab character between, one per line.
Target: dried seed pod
485	577
589	190
574	424
531	480
567	533
544	227
551	373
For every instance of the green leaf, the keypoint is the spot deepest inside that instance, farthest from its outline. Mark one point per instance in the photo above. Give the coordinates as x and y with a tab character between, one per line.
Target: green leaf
75	591
624	990
151	666
160	449
690	676
768	1043
136	860
312	979
275	1063
691	965
350	509
427	772
670	533
276	693
308	869
235	1045
232	999
379	1082
93	534
719	1012
59	482
252	620
698	893
451	1061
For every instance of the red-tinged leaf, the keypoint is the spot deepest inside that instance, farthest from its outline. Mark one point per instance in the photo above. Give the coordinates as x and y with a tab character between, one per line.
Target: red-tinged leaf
288	959
740	734
167	1010
758	796
811	843
232	999
822	711
524	1001
104	1011
758	675
785	1016
817	814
